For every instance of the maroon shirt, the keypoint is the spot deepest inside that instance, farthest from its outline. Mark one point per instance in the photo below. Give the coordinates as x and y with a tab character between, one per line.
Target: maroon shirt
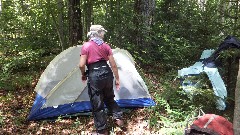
96	52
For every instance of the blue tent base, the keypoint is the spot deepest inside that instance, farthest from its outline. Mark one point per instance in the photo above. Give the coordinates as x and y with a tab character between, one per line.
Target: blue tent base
84	107
83	114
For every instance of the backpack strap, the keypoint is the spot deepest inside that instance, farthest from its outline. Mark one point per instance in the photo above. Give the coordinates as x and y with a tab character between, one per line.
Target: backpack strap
209	121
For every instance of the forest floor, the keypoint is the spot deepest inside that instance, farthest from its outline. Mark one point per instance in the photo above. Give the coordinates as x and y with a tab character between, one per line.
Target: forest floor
16	105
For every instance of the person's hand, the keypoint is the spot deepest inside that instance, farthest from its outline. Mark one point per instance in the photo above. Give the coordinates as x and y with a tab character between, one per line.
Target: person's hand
117	83
84	78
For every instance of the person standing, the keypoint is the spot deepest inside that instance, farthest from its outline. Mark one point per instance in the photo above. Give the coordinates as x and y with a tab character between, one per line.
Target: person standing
94	54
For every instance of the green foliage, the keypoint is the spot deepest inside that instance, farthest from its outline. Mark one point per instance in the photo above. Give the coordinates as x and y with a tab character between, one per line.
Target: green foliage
198	85
179	32
2	118
18	121
175	106
28	39
77	122
231	54
168	119
59	118
19	67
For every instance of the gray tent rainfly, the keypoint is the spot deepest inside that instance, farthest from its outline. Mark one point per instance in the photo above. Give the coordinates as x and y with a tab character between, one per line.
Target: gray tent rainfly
61	92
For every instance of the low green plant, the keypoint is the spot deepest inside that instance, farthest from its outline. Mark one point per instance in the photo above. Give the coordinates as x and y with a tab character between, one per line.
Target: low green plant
77	122
174	106
167	119
2	118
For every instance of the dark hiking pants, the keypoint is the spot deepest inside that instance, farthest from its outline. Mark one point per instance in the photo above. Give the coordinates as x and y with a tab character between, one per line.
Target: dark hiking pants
100	90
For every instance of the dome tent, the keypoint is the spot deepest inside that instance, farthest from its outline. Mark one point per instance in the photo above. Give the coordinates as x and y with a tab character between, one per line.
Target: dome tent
60	90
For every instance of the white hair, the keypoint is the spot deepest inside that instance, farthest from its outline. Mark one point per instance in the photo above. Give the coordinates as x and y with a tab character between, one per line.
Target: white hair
92	34
95	31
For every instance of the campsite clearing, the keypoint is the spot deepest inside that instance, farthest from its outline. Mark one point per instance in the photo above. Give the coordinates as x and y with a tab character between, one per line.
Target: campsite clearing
14	114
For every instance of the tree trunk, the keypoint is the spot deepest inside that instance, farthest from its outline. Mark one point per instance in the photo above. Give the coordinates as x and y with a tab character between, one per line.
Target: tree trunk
0	6
58	23
143	22
235	30
222	7
75	25
144	10
137	23
236	119
88	9
61	24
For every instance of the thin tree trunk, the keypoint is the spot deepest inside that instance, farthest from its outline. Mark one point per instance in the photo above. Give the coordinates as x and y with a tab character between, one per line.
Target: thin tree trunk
119	22
60	24
88	9
236	119
137	22
222	7
236	18
0	6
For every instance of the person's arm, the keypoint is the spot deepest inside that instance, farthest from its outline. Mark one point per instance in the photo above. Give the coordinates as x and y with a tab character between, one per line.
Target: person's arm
82	63
115	70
